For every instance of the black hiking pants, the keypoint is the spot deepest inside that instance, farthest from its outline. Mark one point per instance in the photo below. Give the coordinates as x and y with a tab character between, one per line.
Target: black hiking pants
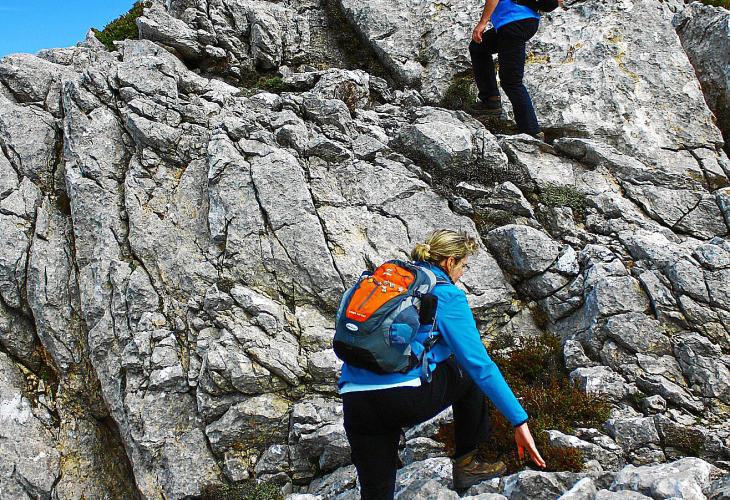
509	43
374	419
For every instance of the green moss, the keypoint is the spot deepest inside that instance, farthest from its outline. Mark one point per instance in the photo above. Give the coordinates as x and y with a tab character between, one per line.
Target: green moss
461	93
122	28
637	398
246	490
535	372
488	219
690	441
565	196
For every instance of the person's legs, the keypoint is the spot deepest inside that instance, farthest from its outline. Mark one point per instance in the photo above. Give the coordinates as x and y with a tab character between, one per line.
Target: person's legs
472	425
483	65
511	41
373	420
373	445
375	457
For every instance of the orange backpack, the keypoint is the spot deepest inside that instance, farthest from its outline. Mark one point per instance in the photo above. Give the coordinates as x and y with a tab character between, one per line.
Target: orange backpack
379	317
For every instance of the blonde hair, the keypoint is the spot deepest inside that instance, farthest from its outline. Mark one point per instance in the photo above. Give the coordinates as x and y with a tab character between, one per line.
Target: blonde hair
444	243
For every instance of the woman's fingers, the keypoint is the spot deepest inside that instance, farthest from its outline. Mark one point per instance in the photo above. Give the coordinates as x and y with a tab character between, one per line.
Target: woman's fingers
523	438
535	455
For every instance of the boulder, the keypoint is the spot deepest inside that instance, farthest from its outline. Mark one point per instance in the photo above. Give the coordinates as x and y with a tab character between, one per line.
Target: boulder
685	478
522	250
705	36
539	485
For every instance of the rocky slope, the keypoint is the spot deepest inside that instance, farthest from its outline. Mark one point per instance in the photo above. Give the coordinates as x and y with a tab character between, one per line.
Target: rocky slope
173	245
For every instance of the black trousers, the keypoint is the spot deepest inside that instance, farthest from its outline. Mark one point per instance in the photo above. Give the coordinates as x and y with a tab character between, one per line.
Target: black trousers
509	43
374	419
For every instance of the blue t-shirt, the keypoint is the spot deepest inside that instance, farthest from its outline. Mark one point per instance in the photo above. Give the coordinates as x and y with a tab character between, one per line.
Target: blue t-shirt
507	11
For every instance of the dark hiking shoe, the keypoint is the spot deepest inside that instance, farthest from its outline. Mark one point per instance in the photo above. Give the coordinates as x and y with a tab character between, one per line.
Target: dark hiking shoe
539	136
469	470
488	107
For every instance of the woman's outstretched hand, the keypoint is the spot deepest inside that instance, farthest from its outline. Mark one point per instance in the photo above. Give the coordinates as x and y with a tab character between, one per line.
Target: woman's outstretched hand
523	438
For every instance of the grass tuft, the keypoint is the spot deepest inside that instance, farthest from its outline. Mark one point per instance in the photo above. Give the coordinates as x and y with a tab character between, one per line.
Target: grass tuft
565	196
246	490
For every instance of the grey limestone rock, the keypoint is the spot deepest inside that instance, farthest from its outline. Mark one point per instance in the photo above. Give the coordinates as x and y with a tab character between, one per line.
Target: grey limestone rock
30	463
317	433
589	69
702	362
583	489
620	495
393	30
254	423
421	448
637	332
539	485
535	166
633	433
434	469
600	380
720	488
608	459
451	143
157	25
336	483
427	489
685	478
574	355
522	250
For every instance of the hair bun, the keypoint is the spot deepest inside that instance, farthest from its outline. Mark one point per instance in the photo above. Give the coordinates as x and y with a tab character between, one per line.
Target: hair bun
426	250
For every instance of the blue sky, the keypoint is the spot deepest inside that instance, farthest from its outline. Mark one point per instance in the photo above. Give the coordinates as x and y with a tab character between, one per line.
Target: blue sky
31	25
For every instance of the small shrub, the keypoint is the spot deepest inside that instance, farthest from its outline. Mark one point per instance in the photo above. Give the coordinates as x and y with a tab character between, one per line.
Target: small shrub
717	3
535	372
565	196
122	28
273	84
247	490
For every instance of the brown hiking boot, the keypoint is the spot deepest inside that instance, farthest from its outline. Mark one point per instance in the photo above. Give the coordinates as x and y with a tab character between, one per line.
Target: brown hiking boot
470	469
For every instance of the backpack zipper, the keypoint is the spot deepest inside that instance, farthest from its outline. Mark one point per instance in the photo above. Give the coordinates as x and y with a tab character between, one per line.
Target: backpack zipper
377	285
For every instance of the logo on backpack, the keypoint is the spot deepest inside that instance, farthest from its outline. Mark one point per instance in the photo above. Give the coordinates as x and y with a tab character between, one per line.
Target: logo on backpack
379	317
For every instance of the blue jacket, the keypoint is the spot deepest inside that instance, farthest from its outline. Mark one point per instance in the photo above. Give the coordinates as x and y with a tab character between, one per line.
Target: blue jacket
507	11
460	337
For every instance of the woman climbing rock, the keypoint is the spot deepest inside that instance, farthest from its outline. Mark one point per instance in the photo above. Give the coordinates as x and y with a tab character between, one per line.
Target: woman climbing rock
452	369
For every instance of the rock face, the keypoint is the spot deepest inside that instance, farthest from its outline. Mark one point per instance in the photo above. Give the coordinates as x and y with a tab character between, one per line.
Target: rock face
705	34
173	247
